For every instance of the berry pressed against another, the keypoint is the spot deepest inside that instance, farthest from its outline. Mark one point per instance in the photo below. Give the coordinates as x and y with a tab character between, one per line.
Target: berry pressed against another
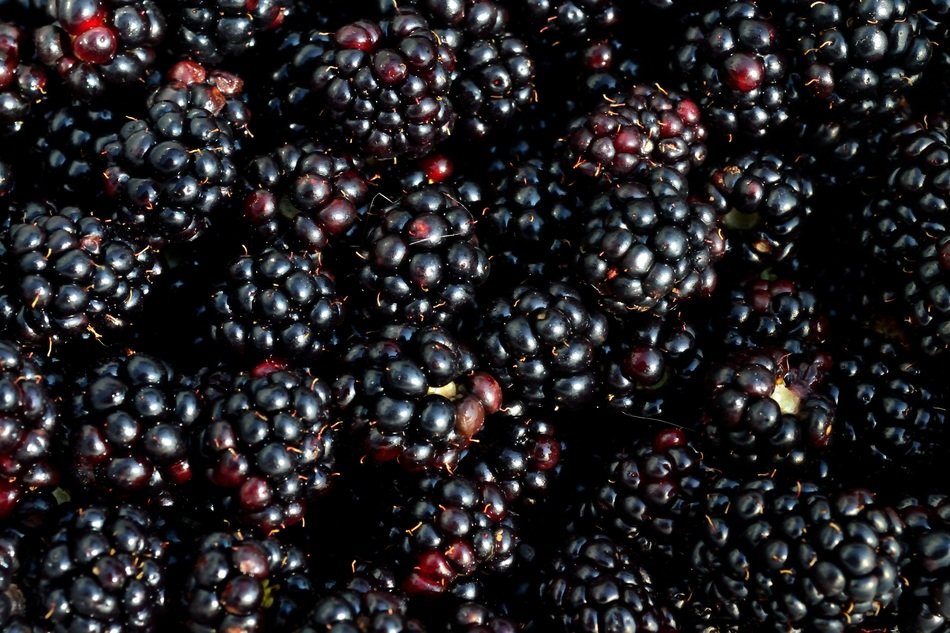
421	259
101	47
71	276
385	86
277	304
647	247
244	584
104	569
132	416
23	85
210	31
173	169
267	445
542	342
557	24
416	396
923	603
928	297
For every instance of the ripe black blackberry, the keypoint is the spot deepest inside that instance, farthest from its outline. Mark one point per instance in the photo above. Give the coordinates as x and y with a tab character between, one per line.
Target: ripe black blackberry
909	209
762	311
650	494
421	259
763	201
529	222
542	342
595	583
304	194
923	603
98	44
634	132
29	428
471	18
559	22
277	304
171	170
647	246
732	58
928	296
71	276
211	31
519	453
796	557
768	409
385	86
650	367
131	419
855	56
267	448
15	612
23	84
243	584
474	617
415	395
495	83
448	527
104	569
370	601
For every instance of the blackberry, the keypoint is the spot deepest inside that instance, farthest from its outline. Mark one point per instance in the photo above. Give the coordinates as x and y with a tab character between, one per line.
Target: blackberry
650	494
595	583
277	303
416	396
210	31
304	194
923	604
171	170
244	584
370	601
71	276
555	21
519	453
768	409
910	208
385	86
495	82
448	528
542	342
95	44
647	247
103	569
732	57
472	617
421	259
631	134
472	18
855	56
14	611
763	201
29	429
131	420
928	295
23	85
650	367
267	448
762	311
797	557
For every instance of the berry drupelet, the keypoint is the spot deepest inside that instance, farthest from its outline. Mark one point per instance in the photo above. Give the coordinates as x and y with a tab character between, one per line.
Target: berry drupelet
304	194
267	445
103	570
647	246
98	44
416	396
210	31
172	169
732	60
763	201
277	304
23	85
796	557
131	419
244	584
385	86
421	259
633	132
29	428
71	276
